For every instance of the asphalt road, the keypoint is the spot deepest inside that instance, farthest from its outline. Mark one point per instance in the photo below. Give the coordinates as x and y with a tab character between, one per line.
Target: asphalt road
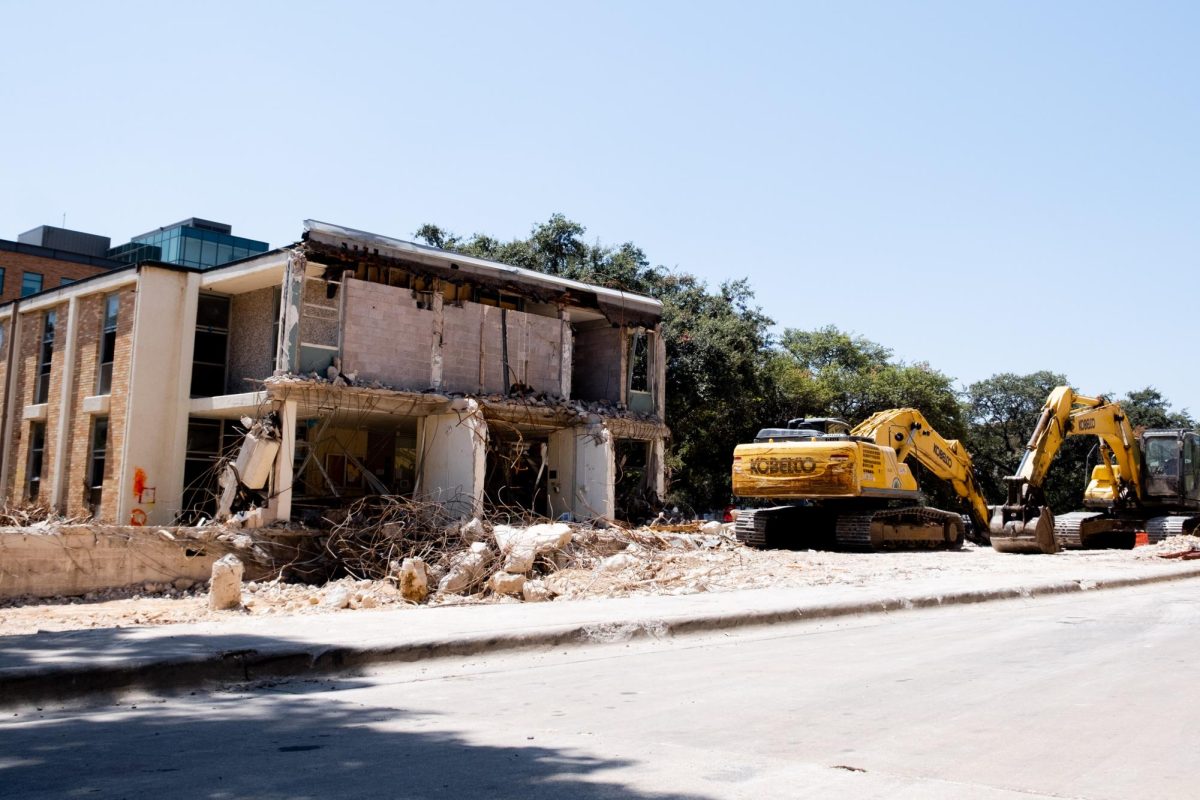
1080	696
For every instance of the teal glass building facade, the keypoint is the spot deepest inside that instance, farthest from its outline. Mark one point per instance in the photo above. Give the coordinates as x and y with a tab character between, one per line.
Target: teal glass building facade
191	243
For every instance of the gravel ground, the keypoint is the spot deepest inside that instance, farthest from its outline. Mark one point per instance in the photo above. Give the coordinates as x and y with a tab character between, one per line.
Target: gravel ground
670	564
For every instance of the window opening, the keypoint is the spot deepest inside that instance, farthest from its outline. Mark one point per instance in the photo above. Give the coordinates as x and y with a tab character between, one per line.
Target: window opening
31	283
210	354
108	344
37	452
45	357
96	464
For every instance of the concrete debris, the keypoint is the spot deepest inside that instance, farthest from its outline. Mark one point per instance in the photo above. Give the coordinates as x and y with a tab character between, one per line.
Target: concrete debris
521	547
536	592
413	580
474	531
225	588
337	598
507	583
467	570
712	528
618	562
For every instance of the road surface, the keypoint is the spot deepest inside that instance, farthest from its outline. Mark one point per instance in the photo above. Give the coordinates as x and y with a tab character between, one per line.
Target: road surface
1080	696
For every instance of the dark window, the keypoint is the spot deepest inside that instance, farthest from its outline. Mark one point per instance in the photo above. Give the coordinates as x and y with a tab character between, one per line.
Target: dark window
37	450
31	283
639	363
210	349
96	465
66	281
207	440
45	356
108	344
1	279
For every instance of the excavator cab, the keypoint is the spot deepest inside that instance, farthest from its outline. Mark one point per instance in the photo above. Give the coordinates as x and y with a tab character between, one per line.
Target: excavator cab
1171	465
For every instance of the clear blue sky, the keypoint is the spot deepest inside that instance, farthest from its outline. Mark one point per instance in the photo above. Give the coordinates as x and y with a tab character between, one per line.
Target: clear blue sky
988	187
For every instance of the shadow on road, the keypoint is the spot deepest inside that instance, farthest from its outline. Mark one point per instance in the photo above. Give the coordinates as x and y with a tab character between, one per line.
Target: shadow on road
270	745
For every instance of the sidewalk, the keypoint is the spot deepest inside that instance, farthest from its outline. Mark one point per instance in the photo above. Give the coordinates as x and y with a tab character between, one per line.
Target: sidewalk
57	666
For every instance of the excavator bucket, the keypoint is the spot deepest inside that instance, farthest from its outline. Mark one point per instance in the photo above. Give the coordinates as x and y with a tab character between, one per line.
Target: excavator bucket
1017	531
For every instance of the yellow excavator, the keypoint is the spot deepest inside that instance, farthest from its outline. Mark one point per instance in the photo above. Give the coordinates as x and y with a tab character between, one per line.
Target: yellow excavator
852	488
1147	480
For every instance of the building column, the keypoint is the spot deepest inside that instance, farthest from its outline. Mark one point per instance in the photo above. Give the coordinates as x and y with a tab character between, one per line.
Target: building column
452	458
66	405
12	406
280	504
656	467
595	473
291	299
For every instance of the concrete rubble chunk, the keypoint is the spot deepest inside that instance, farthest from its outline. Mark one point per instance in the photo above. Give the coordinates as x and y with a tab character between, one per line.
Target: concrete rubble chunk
520	547
536	592
712	528
338	598
618	562
225	590
474	531
507	583
467	569
413	580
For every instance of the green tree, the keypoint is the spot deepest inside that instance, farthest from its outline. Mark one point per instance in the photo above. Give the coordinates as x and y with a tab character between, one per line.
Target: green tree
1147	408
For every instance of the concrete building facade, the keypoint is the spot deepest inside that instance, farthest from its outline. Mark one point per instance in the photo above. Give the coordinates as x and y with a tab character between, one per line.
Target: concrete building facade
379	366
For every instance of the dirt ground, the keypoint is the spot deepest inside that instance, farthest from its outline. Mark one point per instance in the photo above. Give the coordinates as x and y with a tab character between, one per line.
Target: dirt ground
656	564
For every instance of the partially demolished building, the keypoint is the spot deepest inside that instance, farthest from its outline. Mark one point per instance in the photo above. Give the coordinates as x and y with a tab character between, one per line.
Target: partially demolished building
361	364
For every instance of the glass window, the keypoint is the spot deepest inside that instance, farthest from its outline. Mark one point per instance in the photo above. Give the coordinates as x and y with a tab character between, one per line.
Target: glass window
96	465
37	451
1	279
31	283
66	281
224	253
108	344
211	346
208	254
191	251
45	358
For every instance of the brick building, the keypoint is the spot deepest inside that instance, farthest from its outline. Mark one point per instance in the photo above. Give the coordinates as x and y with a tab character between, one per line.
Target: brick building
48	257
381	367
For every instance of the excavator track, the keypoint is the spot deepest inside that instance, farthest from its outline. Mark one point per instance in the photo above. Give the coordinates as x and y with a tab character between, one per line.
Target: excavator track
915	527
1159	528
1068	528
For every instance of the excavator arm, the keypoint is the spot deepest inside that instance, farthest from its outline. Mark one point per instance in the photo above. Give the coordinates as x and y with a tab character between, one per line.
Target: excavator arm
908	432
1024	523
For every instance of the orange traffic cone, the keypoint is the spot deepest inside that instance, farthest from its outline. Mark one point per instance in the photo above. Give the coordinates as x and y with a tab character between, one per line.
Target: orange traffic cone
1141	538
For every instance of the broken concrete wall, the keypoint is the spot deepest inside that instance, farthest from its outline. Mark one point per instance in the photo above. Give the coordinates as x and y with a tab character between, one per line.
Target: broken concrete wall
473	341
582	476
387	336
74	560
251	340
598	366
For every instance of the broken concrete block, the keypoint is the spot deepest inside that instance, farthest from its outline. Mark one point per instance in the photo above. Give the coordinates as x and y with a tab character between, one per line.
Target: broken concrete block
536	592
712	528
507	583
474	531
467	570
183	584
522	546
413	580
338	598
256	459
618	562
225	590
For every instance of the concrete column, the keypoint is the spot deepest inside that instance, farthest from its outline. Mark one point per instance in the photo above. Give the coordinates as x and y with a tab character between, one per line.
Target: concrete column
280	504
66	396
436	367
567	343
291	299
150	486
12	407
595	473
452	457
560	472
656	467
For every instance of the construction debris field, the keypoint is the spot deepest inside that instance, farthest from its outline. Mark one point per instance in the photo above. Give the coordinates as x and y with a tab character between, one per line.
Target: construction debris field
595	563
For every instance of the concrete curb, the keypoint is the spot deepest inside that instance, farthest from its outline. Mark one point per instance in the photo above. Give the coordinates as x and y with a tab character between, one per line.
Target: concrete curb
291	659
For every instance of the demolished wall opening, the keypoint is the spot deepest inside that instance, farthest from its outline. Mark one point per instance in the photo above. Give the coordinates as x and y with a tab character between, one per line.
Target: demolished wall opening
636	500
516	471
209	442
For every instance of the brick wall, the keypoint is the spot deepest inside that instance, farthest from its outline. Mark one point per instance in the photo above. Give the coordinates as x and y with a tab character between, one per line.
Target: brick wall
386	337
27	354
52	270
90	311
118	405
596	372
